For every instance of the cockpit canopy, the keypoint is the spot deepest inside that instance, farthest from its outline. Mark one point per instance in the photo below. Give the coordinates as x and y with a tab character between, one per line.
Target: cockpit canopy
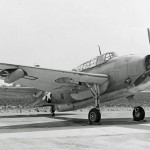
99	60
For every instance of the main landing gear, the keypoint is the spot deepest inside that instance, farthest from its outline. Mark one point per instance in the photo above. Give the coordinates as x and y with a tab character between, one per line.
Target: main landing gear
138	112
94	115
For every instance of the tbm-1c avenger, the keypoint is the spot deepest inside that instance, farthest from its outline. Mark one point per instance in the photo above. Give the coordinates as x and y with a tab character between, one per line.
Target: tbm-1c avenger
106	77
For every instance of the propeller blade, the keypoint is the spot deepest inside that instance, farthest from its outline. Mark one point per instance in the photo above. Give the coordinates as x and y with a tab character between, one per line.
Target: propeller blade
141	78
148	34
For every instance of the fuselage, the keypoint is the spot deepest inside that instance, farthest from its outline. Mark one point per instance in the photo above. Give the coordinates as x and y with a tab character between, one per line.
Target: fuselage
119	70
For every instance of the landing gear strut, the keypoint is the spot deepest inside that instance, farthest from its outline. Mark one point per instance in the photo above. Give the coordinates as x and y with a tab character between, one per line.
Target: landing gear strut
94	115
52	110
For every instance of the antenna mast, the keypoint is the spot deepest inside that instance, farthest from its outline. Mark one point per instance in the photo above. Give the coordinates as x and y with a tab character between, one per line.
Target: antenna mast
99	50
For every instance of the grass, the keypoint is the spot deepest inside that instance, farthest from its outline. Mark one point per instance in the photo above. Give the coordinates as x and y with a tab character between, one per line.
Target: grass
21	104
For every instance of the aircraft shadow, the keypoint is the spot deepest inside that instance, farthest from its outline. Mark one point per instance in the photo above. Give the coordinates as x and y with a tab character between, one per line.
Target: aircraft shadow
67	122
123	121
35	115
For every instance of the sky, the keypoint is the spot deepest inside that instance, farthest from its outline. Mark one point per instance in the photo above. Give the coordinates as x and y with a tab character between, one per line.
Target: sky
62	34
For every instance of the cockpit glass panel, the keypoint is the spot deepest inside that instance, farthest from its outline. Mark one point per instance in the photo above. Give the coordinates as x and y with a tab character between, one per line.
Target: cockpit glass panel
99	60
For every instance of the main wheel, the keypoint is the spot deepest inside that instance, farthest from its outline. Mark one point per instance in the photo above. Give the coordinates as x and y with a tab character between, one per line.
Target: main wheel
138	113
94	116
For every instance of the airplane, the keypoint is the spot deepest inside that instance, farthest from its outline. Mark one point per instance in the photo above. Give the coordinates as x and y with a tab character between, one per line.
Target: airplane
105	78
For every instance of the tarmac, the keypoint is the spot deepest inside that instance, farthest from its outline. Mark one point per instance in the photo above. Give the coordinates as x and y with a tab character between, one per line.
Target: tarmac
70	131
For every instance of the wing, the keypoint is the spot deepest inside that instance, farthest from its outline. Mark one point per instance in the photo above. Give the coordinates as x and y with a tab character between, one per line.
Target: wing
48	79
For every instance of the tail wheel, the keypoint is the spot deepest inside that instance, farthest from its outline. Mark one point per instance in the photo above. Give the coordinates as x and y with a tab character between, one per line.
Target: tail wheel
138	113
94	116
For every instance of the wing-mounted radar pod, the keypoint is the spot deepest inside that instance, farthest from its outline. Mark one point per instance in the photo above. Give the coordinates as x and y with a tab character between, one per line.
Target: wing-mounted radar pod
14	76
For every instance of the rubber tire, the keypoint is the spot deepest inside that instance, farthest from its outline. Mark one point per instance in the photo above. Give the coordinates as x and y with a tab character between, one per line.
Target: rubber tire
138	113
94	116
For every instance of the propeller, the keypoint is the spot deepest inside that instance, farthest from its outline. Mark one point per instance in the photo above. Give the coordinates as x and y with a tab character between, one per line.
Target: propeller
141	78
